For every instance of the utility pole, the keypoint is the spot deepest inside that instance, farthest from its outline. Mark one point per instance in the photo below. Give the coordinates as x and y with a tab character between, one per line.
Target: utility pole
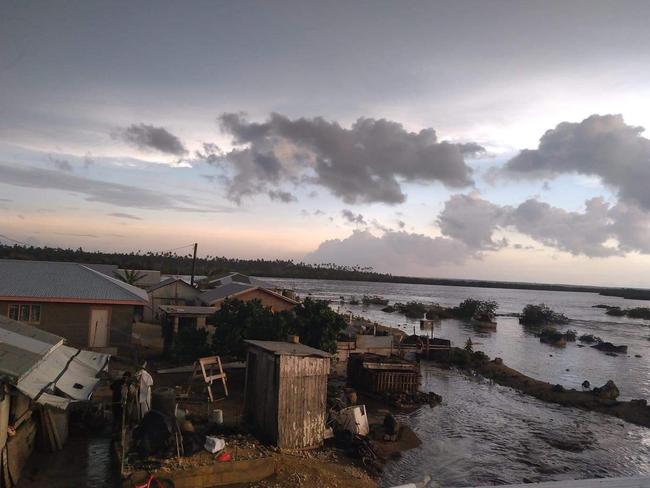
196	244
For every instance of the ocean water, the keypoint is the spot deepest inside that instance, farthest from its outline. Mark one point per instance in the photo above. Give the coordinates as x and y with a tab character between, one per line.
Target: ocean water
486	434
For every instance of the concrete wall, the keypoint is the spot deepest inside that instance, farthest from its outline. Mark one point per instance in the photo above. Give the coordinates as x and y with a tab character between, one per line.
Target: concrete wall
72	321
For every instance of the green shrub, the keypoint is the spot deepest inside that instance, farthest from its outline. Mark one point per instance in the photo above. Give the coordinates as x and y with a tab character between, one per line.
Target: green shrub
313	321
190	344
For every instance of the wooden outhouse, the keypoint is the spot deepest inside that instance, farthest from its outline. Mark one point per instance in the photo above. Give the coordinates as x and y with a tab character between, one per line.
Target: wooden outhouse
286	393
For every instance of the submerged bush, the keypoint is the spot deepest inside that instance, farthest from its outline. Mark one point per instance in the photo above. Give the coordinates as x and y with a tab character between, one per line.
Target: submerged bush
540	315
413	310
471	307
639	313
374	300
589	338
615	312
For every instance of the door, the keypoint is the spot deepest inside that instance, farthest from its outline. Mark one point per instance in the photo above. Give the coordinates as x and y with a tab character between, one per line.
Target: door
98	334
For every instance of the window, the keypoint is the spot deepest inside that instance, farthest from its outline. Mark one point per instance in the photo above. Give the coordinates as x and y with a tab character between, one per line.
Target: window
13	312
25	312
35	315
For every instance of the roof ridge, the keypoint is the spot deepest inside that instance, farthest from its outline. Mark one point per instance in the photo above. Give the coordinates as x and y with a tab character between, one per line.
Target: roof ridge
114	281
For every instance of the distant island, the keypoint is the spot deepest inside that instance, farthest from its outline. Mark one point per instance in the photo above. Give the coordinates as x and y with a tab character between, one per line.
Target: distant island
181	264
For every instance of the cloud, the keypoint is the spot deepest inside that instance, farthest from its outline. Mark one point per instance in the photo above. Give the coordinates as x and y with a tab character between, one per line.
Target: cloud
62	164
149	137
401	224
600	230
281	196
121	215
393	250
352	218
601	145
472	220
98	191
367	162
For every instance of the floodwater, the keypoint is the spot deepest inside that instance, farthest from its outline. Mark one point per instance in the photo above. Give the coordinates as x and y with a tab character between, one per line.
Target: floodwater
86	461
486	434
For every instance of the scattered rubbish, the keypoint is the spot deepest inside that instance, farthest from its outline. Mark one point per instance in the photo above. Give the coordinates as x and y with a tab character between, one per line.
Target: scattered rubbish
224	456
214	444
353	419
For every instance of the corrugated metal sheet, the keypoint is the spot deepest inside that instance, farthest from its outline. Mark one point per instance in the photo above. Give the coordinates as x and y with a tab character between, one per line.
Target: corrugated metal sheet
223	291
43	368
67	370
43	279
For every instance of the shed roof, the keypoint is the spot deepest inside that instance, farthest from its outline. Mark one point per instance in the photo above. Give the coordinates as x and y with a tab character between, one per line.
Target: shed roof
63	282
289	349
184	310
43	368
168	281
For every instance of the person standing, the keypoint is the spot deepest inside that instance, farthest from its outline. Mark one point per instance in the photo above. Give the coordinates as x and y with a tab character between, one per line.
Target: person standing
145	382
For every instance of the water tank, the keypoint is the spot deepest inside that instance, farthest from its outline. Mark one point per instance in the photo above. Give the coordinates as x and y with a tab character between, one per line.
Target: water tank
164	400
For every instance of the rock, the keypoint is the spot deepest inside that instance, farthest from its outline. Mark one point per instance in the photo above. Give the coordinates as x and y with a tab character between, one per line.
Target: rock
613	354
638	356
609	347
609	391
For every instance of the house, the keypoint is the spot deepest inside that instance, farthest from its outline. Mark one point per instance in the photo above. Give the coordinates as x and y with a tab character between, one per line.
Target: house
41	377
286	393
86	307
171	291
245	288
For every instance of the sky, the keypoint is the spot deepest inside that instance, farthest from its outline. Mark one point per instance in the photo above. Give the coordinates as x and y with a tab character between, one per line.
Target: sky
499	140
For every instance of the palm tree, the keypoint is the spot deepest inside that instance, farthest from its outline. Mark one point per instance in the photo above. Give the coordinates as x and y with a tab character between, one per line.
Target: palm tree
129	276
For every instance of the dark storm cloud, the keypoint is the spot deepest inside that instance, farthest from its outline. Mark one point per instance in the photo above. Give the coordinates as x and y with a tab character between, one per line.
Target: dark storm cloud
601	145
364	163
600	230
393	250
352	217
149	137
97	191
122	215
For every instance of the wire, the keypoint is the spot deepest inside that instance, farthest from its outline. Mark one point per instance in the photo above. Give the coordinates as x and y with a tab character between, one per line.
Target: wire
177	248
13	240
